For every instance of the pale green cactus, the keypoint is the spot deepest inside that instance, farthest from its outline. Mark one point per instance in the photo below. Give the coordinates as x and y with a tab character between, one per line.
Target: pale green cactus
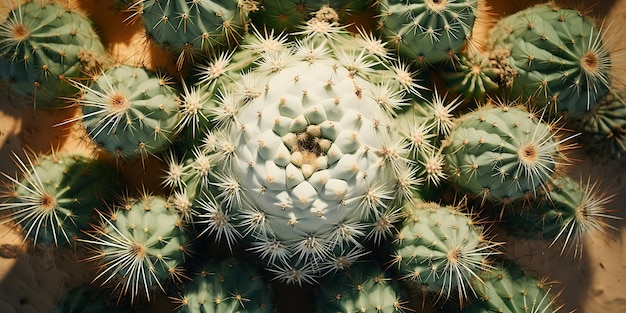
139	245
129	111
504	153
440	249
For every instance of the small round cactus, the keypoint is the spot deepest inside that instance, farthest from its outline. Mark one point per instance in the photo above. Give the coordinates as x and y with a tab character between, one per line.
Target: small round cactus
472	76
555	56
129	111
509	288
55	197
603	129
139	245
503	153
42	45
439	249
194	28
427	31
362	287
566	215
228	285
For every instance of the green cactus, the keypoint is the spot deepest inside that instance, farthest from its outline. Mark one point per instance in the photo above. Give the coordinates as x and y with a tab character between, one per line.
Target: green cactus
90	299
55	197
604	127
440	249
139	245
427	31
472	76
569	212
310	167
554	56
503	153
129	112
226	285
509	288
288	15
42	45
362	287
196	28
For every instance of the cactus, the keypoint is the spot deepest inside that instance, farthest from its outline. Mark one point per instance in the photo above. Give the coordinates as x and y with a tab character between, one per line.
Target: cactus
288	15
556	56
311	166
139	245
440	249
197	28
129	111
89	299
55	197
227	285
504	153
509	288
362	287
42	45
427	31
472	76
567	214
604	127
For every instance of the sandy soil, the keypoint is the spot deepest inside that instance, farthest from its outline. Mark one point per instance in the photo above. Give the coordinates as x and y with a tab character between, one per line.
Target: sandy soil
31	280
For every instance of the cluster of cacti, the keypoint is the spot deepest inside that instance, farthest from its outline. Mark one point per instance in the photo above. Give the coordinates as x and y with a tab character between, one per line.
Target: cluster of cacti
294	149
42	46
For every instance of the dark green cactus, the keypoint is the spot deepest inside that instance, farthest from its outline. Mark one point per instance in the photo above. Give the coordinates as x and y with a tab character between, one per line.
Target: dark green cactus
139	245
362	287
191	29
503	153
55	197
439	249
90	299
472	76
553	56
509	288
427	31
565	215
288	15
129	111
42	45
604	127
228	285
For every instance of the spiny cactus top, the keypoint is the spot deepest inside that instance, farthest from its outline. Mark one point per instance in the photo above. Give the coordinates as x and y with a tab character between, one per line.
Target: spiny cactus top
55	199
139	244
42	44
502	153
565	215
439	249
191	28
555	56
307	139
427	31
509	288
129	111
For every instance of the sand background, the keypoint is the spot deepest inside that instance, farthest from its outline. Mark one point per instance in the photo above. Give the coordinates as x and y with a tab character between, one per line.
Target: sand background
33	279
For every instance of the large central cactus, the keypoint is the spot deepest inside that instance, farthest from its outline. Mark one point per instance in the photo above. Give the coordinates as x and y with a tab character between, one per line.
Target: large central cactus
313	150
